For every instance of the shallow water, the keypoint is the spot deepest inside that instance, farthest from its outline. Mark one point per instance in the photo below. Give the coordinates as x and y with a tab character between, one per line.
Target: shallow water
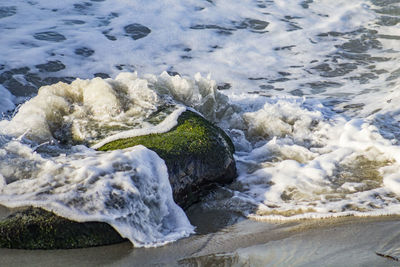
226	239
307	90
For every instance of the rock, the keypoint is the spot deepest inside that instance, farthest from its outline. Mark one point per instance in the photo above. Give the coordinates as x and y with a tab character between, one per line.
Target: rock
35	228
198	156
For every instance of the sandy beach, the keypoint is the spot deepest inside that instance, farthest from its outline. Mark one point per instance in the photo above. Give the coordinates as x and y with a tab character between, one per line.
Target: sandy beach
224	239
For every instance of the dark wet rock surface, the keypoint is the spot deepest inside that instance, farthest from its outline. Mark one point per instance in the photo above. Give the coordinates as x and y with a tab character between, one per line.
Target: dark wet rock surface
34	228
136	31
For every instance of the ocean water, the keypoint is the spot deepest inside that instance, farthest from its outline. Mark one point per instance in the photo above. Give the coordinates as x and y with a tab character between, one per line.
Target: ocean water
307	90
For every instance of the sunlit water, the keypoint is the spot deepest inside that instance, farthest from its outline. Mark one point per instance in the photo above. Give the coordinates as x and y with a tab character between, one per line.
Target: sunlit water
307	90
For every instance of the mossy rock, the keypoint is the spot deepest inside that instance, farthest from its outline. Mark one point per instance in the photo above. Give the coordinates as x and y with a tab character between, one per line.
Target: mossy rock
35	228
198	156
197	153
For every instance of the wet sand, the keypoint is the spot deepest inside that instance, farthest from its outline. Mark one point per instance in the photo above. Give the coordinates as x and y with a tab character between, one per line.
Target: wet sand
226	239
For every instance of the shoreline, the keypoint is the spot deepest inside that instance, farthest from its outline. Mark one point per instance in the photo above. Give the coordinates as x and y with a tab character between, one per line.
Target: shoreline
226	238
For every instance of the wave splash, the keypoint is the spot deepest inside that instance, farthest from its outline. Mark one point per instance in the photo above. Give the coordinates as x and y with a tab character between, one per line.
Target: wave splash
299	159
128	189
44	161
296	157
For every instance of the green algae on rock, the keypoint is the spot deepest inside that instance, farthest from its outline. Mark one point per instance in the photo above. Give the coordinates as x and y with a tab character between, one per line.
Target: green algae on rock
35	228
197	153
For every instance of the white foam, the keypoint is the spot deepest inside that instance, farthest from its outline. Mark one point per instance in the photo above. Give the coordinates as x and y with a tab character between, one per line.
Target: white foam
92	110
6	100
127	189
241	52
306	168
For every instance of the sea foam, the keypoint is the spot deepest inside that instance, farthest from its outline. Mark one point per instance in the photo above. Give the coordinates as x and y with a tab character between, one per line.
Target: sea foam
44	164
128	189
308	162
6	100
